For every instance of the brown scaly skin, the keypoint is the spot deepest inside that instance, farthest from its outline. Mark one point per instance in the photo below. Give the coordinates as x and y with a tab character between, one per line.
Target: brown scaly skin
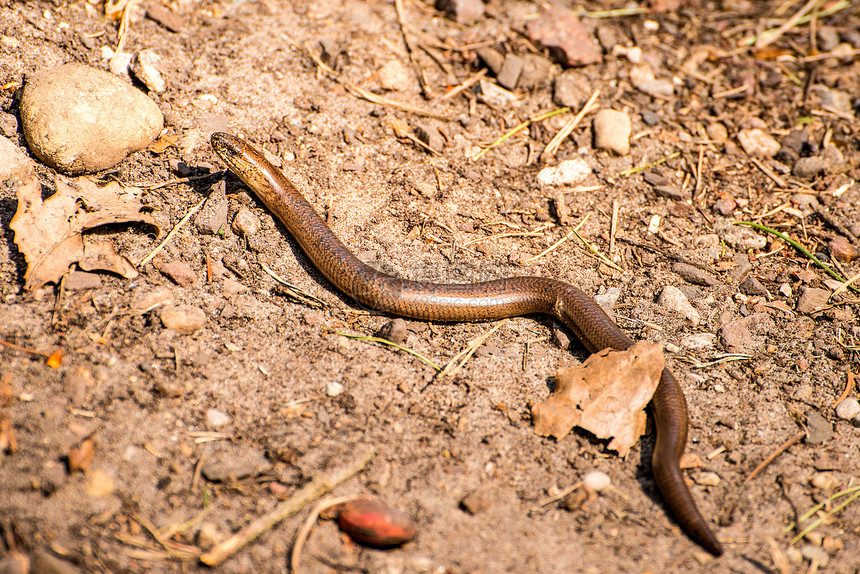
473	302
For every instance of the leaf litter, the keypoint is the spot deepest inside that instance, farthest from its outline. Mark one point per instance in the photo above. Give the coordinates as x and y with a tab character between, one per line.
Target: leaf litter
50	233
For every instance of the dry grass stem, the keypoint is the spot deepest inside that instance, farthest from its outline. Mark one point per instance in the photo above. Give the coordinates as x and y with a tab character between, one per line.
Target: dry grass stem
520	127
849	386
410	49
555	142
769	173
360	92
382	341
471	81
311	301
452	368
170	235
314	489
560	495
633	170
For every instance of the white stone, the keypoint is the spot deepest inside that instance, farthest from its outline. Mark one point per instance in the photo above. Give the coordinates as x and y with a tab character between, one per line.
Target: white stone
848	409
612	131
596	480
674	299
758	143
568	172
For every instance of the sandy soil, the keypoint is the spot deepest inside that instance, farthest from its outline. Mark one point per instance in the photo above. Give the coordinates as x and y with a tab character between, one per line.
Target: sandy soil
260	372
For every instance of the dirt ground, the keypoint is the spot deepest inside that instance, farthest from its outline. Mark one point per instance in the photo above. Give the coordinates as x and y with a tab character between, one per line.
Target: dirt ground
231	419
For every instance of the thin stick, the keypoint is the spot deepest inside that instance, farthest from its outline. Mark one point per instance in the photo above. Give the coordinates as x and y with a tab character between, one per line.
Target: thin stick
465	85
24	349
314	489
783	447
551	248
613	225
410	49
360	92
849	385
555	142
170	235
305	530
561	494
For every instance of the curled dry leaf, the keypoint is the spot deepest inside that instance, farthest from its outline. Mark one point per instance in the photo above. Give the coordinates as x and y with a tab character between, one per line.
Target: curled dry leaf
372	523
50	232
81	456
605	395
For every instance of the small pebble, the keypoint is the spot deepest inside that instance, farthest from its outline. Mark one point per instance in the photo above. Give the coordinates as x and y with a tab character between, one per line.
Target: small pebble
752	286
717	132
246	223
217	419
809	167
179	272
571	89
657	87
785	290
79	119
145	68
742	238
183	318
158	297
510	71
841	250
694	275
461	11
333	389
706	478
209	535
492	58
825	480
535	72
848	409
394	76
170	20
568	172
650	118
698	341
475	503
758	143
569	42
99	484
596	480
13	162
669	192
428	134
395	331
233	461
812	299
818	429
674	299
612	131
737	337
815	554
80	280
496	96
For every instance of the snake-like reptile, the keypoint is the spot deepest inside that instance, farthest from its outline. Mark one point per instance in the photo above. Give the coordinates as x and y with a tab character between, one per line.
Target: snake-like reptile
473	302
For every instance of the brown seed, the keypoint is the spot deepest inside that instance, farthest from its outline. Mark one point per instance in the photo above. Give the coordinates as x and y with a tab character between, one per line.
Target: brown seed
372	523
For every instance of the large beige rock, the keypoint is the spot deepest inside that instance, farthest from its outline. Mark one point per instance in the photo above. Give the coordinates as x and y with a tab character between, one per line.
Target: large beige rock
79	119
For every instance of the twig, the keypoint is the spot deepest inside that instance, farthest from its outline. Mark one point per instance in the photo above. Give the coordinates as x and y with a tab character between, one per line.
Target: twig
390	344
465	85
849	385
360	92
769	172
800	248
410	49
550	248
765	38
783	447
177	180
170	235
555	142
314	489
613	225
305	530
561	494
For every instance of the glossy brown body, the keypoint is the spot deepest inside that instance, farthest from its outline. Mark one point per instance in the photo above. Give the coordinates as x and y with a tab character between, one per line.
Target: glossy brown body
473	302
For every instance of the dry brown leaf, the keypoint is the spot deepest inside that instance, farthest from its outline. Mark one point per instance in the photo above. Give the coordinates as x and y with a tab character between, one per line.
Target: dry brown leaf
605	395
50	232
81	456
